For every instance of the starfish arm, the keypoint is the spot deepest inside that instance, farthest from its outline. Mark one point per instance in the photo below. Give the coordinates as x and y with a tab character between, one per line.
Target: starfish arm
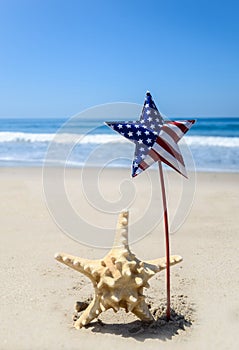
121	235
85	266
141	310
160	263
92	311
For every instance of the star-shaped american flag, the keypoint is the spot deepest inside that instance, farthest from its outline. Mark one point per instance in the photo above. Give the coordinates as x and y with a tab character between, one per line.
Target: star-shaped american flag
155	138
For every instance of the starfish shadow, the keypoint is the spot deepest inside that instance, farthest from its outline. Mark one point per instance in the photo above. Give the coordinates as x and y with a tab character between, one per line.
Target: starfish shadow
140	331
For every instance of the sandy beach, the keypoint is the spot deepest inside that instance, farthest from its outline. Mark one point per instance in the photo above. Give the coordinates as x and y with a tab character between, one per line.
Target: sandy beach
38	293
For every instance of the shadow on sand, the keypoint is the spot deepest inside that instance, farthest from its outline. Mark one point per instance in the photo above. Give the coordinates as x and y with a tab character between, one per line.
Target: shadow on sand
158	329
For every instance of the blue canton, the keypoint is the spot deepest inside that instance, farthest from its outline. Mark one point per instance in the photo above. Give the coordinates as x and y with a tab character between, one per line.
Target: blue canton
142	132
153	121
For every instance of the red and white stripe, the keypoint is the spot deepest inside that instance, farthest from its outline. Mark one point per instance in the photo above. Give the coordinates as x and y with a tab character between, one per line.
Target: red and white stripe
166	148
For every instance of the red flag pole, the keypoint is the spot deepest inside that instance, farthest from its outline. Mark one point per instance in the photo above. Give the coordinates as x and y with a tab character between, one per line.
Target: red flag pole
166	238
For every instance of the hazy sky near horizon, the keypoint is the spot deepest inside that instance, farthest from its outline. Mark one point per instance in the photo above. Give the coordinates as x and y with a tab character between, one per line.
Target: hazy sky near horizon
60	57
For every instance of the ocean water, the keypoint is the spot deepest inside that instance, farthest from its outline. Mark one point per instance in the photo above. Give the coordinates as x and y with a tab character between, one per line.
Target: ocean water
213	144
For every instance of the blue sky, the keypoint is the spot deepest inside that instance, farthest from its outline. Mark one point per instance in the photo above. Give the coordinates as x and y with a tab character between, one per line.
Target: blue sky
60	57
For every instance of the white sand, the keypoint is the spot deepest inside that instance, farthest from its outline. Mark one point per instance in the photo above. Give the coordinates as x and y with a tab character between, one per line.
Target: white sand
38	294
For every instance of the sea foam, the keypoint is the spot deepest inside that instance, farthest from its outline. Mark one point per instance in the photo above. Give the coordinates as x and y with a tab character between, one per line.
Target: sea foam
21	137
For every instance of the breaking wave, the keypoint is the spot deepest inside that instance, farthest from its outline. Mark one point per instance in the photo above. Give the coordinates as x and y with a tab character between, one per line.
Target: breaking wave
22	137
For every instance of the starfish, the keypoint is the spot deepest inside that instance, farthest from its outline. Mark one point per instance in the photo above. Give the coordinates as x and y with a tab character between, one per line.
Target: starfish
118	278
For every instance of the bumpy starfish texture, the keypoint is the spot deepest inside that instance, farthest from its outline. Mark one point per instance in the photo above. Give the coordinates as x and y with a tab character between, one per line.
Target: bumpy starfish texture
118	278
